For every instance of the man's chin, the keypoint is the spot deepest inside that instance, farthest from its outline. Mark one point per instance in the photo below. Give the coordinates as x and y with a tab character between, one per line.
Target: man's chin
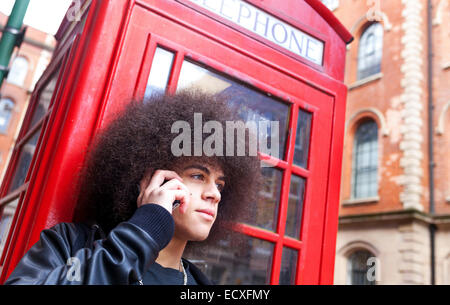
200	237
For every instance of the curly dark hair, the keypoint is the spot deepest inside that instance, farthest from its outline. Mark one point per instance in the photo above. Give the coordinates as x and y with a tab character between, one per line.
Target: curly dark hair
139	140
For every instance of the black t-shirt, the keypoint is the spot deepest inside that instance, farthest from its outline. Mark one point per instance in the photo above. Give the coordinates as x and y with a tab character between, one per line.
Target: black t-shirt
159	275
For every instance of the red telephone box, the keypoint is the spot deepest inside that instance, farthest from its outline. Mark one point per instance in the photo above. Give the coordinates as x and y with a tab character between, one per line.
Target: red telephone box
288	56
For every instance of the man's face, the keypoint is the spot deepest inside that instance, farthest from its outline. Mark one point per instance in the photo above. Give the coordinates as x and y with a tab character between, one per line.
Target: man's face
205	183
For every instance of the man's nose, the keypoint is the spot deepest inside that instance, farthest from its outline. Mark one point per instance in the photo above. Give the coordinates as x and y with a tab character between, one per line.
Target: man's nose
212	192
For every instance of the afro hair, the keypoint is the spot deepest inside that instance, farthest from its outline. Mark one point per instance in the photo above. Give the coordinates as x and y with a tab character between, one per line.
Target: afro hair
139	140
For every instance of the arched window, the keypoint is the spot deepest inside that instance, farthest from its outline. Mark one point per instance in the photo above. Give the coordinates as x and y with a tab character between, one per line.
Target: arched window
18	72
6	108
361	269
370	51
365	161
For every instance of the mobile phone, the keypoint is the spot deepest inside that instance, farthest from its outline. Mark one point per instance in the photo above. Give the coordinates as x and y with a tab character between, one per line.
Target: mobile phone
176	204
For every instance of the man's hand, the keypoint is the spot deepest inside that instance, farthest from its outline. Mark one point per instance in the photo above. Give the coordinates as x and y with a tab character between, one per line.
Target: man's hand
154	190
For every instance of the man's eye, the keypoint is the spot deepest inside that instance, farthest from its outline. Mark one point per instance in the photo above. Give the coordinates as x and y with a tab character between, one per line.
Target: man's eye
197	176
220	187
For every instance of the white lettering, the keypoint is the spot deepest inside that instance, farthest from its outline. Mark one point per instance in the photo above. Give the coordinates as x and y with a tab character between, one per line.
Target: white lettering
299	45
274	132
197	295
373	274
265	24
241	138
198	134
216	139
312	50
74	12
249	13
225	5
281	31
183	139
240	128
246	294
268	27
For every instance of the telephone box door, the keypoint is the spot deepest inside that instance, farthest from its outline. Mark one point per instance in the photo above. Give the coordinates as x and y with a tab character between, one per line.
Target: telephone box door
286	234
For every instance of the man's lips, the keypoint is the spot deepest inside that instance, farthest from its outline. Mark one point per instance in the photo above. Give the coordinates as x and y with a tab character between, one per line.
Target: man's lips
208	212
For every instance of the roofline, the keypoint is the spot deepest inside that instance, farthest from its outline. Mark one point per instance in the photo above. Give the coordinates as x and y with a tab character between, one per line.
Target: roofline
331	19
316	5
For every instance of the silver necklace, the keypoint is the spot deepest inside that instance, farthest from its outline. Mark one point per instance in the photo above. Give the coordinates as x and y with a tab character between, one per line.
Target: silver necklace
184	273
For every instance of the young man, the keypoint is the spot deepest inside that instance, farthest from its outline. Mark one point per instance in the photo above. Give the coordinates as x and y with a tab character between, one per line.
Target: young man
141	203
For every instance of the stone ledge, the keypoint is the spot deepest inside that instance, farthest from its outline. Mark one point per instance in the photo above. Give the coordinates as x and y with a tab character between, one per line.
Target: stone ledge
365	81
394	216
350	202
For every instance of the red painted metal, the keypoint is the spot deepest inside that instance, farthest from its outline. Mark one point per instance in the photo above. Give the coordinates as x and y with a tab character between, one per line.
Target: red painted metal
329	17
107	61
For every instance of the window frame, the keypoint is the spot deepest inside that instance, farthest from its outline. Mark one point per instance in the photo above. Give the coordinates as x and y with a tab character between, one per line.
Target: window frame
371	61
58	68
373	167
285	163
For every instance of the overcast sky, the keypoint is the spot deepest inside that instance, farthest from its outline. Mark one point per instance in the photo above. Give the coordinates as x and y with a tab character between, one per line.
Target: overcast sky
45	15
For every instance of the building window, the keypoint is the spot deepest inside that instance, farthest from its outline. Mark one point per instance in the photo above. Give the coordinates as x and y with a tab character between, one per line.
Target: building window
370	51
365	161
331	4
6	108
18	72
359	268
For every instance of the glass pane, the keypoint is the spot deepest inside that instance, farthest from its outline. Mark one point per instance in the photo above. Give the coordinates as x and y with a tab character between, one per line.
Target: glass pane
370	51
301	152
359	268
6	220
288	266
24	161
45	98
18	71
270	115
365	161
6	109
225	264
265	212
160	72
295	207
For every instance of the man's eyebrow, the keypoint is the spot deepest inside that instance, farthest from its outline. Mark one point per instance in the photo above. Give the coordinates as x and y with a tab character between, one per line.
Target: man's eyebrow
203	168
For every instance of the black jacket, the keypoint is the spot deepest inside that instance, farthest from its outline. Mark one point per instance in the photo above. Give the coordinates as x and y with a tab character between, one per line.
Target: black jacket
76	254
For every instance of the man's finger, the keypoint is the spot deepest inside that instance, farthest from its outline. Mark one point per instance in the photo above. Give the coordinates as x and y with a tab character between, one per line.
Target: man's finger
184	198
174	184
159	176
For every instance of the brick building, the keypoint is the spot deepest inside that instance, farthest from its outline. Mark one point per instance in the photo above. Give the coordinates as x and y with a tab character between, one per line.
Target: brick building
26	66
395	207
